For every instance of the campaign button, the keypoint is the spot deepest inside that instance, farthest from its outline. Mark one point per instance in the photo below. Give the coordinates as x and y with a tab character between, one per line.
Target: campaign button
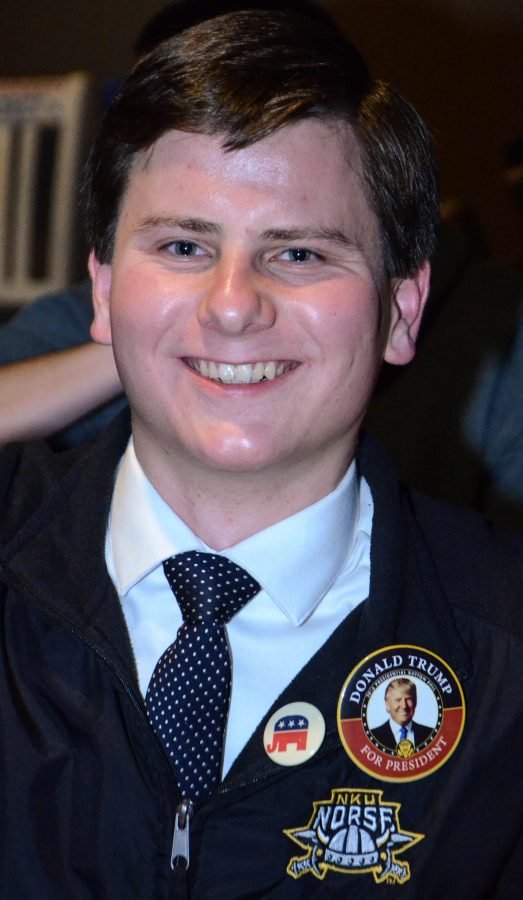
294	733
401	713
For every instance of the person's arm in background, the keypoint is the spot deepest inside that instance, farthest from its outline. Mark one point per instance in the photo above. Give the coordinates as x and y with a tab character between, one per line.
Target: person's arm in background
52	376
45	394
494	422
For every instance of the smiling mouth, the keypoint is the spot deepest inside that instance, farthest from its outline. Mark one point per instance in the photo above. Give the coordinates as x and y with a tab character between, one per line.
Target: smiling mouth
244	373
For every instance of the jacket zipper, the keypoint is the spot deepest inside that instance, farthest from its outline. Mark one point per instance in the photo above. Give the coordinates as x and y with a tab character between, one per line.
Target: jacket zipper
180	847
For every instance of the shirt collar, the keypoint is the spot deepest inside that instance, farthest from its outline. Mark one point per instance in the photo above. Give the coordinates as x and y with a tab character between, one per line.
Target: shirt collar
396	728
296	560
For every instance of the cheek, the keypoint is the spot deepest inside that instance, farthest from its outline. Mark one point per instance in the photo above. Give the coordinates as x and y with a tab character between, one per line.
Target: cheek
353	354
350	323
135	331
140	305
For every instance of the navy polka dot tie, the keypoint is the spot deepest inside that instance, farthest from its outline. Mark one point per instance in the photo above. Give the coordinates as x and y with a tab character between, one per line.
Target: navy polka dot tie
188	696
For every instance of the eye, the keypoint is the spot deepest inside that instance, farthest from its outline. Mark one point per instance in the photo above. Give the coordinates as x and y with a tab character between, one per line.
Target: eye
183	248
300	255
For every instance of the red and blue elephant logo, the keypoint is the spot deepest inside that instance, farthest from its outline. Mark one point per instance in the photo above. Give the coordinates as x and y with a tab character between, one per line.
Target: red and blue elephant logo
289	730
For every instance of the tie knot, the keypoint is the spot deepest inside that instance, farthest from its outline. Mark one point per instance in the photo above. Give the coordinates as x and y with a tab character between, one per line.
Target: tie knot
208	586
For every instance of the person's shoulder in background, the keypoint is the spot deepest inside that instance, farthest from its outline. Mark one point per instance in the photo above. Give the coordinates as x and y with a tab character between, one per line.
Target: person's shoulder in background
52	322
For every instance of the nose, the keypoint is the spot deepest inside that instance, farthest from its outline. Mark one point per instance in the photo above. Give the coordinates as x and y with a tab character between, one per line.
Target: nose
237	300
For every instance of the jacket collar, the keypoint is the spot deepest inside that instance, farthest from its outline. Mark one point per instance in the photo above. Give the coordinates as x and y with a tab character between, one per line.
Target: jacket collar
57	559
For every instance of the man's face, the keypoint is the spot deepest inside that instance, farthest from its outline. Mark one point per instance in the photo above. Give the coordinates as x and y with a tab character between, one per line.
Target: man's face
243	303
400	704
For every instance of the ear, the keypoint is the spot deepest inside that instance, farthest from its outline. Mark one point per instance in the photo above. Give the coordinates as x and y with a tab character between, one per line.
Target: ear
408	302
101	275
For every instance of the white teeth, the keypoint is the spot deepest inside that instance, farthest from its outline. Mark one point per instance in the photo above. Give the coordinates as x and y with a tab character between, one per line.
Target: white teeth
244	373
226	373
213	371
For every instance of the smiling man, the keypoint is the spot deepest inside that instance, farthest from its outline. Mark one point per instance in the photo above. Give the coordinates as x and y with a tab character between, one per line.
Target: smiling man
191	608
401	699
250	311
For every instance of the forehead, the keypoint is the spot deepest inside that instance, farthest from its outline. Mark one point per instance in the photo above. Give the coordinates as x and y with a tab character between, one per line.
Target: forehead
400	690
310	169
334	139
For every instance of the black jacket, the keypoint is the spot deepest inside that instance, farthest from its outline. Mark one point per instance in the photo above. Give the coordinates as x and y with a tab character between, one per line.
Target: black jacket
88	796
385	735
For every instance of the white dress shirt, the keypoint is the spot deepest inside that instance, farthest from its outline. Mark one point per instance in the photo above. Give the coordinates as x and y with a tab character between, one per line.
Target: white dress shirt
314	568
396	730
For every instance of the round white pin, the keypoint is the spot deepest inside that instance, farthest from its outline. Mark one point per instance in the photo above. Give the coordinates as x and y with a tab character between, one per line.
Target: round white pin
294	733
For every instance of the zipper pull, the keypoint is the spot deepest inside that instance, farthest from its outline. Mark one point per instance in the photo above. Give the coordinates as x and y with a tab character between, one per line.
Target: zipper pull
180	848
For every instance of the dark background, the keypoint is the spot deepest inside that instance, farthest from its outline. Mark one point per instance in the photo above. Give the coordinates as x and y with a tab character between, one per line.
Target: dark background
459	61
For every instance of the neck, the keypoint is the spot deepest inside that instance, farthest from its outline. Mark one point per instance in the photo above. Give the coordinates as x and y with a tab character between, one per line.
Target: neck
224	508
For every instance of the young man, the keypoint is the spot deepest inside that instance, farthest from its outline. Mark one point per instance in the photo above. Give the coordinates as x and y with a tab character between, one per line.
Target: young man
198	617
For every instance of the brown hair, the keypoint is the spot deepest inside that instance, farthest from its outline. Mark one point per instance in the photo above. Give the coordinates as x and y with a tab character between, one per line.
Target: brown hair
245	75
403	682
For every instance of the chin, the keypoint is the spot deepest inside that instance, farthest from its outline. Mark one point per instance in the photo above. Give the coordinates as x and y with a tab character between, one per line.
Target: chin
235	452
236	462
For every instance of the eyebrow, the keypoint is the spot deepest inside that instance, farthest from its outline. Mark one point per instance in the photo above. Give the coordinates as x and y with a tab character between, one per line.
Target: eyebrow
199	226
308	234
202	226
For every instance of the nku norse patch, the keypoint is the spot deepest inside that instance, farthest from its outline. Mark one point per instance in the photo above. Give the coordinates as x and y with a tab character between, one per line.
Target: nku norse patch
401	713
355	832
